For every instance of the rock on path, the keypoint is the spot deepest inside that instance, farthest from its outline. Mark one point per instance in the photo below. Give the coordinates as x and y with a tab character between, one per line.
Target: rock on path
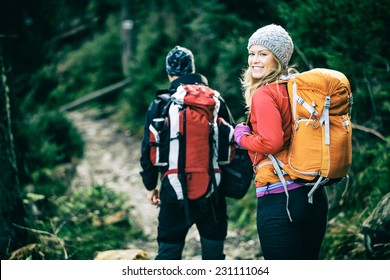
112	159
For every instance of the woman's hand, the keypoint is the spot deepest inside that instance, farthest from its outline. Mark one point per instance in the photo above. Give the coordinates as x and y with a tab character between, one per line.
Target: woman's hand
240	131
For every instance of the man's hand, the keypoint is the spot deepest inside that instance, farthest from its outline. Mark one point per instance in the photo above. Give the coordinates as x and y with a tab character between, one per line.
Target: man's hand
154	197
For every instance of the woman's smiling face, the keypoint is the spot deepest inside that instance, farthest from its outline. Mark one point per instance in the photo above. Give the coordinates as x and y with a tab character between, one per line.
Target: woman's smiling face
260	60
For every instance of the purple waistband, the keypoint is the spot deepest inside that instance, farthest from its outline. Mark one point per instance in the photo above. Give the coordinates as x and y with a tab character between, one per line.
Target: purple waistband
276	188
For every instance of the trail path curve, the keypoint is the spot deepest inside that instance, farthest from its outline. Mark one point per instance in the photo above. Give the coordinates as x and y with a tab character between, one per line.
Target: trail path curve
112	158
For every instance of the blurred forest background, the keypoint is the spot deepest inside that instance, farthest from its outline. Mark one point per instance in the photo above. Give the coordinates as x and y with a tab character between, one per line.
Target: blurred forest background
54	52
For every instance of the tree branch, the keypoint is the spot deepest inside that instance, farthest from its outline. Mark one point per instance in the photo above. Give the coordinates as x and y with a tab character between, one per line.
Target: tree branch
368	130
59	240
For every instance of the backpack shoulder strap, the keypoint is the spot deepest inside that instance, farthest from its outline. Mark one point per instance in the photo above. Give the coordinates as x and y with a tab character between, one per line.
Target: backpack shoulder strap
164	95
163	99
225	112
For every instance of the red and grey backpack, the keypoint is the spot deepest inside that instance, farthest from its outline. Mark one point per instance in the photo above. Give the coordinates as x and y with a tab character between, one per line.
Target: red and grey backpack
190	142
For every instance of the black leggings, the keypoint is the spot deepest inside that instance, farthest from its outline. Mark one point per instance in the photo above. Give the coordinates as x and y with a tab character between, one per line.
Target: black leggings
300	239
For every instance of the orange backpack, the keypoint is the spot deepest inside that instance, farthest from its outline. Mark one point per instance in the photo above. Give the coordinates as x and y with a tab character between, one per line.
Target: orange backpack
320	149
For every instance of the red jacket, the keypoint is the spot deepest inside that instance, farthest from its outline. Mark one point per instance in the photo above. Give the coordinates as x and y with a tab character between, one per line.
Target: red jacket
271	122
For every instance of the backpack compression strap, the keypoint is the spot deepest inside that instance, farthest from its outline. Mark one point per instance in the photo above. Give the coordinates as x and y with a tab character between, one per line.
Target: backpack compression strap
325	120
280	175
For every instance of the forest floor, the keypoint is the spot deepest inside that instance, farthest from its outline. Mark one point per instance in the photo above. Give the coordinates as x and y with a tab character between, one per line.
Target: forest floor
112	159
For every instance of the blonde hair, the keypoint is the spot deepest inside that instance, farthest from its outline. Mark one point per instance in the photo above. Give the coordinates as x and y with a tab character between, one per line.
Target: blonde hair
250	84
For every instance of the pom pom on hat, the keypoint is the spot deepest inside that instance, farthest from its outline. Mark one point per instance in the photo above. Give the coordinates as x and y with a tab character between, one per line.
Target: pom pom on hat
276	39
180	61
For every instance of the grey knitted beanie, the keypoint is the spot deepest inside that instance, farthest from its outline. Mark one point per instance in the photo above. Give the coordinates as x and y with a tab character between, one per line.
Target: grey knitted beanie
180	61
276	39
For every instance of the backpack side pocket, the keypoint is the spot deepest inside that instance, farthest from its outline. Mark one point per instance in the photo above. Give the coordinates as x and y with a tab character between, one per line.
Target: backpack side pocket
226	145
158	150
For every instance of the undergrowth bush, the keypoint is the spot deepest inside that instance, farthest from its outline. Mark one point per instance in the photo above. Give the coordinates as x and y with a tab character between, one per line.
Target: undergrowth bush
84	222
344	239
51	141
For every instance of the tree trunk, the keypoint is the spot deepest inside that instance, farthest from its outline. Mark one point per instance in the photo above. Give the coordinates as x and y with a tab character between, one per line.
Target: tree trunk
127	35
11	206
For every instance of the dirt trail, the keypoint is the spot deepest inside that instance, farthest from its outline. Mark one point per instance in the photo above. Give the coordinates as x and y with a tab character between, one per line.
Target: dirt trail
112	158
